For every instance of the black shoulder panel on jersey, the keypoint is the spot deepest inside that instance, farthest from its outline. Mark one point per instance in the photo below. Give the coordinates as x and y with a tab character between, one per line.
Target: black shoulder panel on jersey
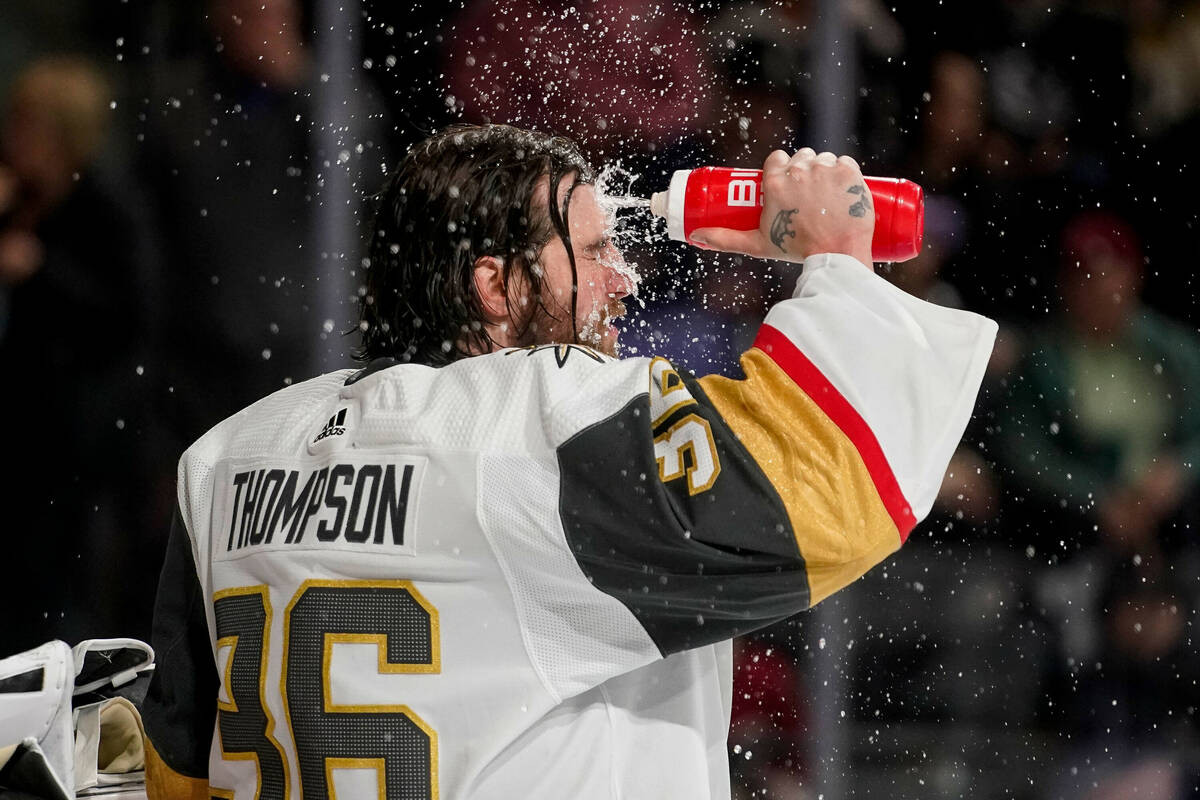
695	567
180	708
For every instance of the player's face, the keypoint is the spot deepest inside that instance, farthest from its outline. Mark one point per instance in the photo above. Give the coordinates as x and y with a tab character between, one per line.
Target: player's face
604	278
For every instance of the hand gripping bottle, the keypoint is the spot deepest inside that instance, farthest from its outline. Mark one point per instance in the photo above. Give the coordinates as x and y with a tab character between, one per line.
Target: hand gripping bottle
723	197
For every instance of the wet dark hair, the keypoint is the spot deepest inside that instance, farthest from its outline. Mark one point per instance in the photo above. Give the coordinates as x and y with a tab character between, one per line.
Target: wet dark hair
463	193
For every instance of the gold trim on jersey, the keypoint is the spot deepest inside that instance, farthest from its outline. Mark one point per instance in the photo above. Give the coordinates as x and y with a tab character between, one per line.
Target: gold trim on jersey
841	525
661	387
269	731
385	667
688	444
221	794
377	764
227	676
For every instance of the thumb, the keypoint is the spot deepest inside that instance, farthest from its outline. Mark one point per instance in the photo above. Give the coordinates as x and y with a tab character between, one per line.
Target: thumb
726	240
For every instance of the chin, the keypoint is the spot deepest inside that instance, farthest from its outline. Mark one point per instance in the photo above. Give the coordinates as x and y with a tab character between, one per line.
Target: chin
612	343
603	341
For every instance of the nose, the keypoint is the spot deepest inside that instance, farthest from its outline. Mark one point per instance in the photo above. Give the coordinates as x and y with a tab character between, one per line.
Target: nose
621	279
621	284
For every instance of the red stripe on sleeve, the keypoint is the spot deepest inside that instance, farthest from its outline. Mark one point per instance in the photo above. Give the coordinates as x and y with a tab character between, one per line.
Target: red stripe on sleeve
789	358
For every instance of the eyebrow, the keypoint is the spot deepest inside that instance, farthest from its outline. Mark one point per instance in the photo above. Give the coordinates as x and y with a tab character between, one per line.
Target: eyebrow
597	245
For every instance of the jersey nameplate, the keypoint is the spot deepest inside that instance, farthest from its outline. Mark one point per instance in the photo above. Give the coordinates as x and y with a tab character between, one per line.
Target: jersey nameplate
361	505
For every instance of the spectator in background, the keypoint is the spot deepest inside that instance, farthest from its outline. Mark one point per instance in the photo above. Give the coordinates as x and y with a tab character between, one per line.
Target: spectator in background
951	146
1131	717
1051	117
1058	85
1163	56
231	154
964	165
756	118
620	76
768	49
1103	418
970	491
77	272
769	734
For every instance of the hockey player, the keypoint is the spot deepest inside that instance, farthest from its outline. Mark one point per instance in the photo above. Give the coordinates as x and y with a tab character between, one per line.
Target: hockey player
498	562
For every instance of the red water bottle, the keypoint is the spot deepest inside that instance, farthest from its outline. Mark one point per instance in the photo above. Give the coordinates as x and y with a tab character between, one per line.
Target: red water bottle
724	197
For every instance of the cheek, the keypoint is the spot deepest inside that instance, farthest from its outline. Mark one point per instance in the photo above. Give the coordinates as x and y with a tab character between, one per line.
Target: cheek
591	291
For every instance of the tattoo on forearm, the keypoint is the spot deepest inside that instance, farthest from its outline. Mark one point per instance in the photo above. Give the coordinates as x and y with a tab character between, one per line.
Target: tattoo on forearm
782	226
862	205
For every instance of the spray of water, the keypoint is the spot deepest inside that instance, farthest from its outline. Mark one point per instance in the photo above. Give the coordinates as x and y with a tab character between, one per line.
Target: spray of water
625	222
614	186
629	201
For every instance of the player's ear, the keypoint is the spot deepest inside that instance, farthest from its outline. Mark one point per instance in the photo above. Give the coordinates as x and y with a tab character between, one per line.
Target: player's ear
491	288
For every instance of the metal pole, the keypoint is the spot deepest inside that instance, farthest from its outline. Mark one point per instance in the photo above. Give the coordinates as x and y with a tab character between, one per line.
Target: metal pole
333	142
834	79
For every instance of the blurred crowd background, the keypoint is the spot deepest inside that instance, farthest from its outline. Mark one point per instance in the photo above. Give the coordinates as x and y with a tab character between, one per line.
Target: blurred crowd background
183	192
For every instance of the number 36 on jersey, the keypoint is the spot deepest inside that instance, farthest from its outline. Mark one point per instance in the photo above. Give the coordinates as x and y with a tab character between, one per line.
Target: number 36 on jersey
387	748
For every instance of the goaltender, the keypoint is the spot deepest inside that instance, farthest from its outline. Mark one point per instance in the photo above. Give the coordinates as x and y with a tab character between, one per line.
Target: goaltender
499	562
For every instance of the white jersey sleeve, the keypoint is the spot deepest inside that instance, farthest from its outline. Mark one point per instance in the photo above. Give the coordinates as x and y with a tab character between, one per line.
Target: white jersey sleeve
709	508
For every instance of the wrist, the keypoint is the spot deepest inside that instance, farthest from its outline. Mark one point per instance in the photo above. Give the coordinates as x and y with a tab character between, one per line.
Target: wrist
854	246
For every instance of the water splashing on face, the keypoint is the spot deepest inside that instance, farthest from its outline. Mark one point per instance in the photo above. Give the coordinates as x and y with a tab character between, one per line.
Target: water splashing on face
614	185
613	194
628	201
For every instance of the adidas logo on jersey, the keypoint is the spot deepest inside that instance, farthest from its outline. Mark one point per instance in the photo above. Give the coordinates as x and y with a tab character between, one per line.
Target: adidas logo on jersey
336	426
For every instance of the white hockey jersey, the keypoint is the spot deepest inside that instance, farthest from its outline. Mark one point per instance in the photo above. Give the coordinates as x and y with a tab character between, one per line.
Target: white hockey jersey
518	575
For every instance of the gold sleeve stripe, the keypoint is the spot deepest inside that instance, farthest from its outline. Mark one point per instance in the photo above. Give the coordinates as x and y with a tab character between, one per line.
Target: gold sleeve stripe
841	524
164	783
838	409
